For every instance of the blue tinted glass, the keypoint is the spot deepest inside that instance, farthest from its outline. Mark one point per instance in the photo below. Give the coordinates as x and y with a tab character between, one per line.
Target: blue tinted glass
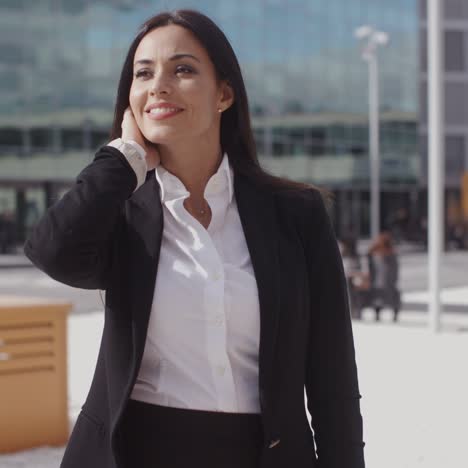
61	59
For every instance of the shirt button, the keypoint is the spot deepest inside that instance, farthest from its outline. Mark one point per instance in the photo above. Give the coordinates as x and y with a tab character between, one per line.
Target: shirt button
220	370
217	276
219	320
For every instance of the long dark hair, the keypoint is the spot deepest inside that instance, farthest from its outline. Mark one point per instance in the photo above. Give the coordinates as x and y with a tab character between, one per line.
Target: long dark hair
236	133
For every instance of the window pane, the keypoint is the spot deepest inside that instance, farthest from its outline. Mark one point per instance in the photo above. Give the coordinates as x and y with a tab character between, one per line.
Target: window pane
454	51
455	103
454	154
455	9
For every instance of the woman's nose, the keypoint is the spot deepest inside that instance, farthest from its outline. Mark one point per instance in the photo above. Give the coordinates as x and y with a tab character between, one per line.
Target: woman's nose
160	84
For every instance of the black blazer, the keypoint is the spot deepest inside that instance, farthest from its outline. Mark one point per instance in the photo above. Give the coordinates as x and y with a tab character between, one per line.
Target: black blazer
101	235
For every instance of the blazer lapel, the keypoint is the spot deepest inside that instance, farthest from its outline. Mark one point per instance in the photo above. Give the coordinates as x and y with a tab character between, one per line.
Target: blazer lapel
258	217
145	215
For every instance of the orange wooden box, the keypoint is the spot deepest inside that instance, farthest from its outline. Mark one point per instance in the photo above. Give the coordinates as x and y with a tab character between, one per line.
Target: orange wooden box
33	373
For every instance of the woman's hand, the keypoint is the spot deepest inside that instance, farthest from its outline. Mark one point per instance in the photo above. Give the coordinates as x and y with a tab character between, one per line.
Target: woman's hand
131	131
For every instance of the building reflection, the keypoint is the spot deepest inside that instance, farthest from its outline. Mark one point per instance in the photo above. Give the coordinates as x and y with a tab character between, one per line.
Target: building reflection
60	61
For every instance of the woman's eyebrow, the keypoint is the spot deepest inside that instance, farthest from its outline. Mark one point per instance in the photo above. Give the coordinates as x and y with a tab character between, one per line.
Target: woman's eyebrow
174	57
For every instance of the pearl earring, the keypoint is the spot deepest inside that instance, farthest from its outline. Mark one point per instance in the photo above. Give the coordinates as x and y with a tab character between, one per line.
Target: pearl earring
220	110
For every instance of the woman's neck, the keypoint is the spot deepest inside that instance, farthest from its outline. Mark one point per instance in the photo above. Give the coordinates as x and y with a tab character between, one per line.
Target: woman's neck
193	165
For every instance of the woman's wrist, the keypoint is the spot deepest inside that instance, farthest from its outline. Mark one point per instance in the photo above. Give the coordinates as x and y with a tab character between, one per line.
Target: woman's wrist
137	146
135	155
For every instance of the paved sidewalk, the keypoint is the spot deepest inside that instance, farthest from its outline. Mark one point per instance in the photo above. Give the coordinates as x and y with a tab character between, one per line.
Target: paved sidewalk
14	261
415	392
414	386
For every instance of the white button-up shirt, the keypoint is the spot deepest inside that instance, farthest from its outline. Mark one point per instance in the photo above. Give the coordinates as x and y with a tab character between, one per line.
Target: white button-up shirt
202	344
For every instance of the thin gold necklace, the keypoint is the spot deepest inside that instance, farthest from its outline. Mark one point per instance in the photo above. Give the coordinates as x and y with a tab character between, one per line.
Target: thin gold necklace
201	212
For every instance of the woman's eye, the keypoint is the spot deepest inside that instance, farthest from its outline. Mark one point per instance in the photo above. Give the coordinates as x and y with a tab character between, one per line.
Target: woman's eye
183	69
141	73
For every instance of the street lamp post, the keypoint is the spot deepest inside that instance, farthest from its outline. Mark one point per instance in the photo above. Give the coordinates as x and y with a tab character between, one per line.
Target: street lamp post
373	39
436	155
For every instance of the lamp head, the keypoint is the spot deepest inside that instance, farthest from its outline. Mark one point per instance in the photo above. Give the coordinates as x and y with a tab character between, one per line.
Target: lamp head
363	31
381	38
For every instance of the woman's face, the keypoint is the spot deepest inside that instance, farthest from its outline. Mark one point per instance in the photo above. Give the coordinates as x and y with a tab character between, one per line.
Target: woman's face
173	74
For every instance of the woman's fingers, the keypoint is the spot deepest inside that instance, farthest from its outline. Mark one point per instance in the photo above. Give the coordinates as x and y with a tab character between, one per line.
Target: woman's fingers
131	131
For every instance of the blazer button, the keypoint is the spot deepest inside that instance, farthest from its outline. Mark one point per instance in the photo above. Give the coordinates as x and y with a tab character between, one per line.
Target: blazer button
274	443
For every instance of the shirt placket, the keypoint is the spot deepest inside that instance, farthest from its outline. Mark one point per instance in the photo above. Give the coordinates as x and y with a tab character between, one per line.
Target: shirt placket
213	292
216	333
216	325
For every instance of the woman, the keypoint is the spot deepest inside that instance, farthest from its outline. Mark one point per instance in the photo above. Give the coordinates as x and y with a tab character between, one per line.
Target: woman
383	271
225	293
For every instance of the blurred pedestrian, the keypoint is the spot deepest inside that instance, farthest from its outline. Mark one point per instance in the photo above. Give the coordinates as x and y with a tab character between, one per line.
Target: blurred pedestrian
456	235
7	232
397	223
357	280
207	365
423	225
3	235
383	271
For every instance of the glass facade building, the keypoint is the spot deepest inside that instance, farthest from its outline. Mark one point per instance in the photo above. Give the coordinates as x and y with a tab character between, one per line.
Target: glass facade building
455	129
60	62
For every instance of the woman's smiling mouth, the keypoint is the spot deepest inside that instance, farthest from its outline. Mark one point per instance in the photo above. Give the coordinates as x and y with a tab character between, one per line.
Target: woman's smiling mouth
162	110
159	113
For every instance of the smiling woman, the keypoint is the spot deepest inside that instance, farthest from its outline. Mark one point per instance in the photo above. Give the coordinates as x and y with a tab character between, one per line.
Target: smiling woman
225	290
175	85
184	61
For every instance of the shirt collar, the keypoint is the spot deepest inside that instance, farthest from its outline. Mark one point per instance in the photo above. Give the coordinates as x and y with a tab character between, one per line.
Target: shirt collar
171	186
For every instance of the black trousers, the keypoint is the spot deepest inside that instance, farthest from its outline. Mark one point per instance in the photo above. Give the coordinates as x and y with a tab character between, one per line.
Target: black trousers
157	436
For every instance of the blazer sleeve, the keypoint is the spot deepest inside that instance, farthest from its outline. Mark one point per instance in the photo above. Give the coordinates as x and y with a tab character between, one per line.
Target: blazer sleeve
331	374
73	241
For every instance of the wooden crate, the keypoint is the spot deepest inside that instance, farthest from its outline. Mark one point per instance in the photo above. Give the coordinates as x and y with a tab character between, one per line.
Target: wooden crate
33	373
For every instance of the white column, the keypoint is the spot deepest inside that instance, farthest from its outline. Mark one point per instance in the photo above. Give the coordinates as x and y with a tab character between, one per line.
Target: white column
436	157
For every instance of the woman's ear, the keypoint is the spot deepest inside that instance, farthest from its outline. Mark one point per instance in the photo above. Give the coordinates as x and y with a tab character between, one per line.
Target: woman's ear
226	96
